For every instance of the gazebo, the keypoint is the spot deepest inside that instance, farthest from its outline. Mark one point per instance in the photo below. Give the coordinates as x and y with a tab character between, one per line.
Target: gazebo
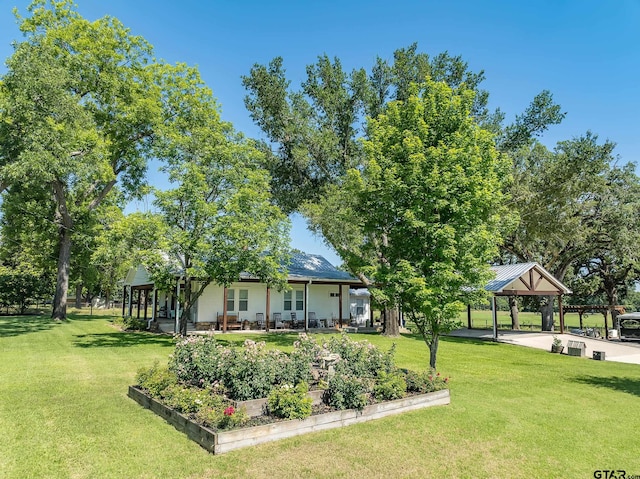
523	279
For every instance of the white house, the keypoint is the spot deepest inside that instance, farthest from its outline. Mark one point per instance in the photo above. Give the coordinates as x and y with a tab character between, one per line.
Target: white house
318	296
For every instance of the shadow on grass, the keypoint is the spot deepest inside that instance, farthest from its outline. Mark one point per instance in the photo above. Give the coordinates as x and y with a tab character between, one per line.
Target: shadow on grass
19	325
453	339
121	340
627	385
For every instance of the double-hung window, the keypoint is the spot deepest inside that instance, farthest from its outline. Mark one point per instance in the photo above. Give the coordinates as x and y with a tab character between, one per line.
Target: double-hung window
294	300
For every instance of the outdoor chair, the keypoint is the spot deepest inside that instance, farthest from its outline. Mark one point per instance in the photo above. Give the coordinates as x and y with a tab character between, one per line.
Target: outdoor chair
294	321
260	320
277	319
313	320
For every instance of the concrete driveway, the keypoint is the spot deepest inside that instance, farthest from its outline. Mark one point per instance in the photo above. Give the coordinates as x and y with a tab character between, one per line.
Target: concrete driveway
627	352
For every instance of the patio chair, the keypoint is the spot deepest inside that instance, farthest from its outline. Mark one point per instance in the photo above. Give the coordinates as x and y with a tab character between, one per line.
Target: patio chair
294	321
313	320
277	319
260	320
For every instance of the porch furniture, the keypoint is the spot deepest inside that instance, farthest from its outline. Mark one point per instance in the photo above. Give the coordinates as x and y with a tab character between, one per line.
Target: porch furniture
294	321
260	320
277	319
313	320
232	321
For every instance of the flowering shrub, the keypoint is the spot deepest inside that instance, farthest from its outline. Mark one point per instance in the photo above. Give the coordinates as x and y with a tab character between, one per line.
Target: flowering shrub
199	360
155	379
360	358
425	382
347	392
390	386
187	400
252	371
221	415
290	402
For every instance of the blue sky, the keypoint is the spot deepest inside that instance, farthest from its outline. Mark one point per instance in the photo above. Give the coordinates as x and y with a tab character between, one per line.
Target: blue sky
587	53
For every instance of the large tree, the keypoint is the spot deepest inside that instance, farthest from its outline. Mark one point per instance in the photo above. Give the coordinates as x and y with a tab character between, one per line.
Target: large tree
316	129
425	207
79	109
218	219
556	194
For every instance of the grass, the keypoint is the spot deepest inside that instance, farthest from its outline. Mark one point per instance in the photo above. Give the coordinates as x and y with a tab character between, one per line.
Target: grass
515	412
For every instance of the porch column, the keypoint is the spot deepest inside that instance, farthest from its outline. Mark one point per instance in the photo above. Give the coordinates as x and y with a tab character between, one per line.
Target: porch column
494	315
267	314
606	324
469	316
340	304
306	307
561	311
224	309
124	297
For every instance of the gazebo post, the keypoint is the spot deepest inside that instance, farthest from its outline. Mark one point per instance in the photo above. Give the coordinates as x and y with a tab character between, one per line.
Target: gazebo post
494	314
124	297
469	316
561	311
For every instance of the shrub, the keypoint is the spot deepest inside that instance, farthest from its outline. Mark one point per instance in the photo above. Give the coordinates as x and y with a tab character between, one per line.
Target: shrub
155	379
221	416
360	358
425	381
187	400
390	386
290	402
347	392
131	324
251	372
200	361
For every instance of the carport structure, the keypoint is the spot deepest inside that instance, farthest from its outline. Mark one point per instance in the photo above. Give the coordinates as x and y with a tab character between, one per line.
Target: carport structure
522	279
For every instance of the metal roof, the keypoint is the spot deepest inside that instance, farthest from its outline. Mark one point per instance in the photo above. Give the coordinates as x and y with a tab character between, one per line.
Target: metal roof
314	266
508	274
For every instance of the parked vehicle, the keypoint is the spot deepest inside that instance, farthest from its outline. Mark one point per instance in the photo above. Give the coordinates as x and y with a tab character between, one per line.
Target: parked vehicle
629	326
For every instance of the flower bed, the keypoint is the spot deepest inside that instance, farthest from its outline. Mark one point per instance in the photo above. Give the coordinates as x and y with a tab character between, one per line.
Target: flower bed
221	388
219	442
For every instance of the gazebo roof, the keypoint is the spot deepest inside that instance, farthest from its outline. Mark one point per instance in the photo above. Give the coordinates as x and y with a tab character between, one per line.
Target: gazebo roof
524	279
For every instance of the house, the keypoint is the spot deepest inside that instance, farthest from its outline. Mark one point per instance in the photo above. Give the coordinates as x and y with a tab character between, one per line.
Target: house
318	296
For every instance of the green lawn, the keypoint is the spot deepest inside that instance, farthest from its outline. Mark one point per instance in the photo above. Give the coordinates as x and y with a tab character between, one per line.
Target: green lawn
532	321
515	412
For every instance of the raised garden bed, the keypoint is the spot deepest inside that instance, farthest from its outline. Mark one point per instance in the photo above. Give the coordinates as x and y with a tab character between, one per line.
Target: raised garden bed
219	442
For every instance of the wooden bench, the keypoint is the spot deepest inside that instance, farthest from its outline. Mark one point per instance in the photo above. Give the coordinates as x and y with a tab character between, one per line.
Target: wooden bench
232	322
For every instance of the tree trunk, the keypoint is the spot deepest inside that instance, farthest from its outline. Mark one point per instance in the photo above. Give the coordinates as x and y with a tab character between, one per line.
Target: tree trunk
79	295
546	310
62	281
513	310
65	223
433	351
391	327
186	310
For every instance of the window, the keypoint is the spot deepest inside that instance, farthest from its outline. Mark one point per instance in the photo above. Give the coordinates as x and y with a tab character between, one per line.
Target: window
359	307
287	300
243	303
299	300
231	300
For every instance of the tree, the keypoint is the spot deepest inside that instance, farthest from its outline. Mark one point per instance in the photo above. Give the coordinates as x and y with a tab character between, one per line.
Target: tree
77	107
614	265
425	207
218	219
317	130
556	194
